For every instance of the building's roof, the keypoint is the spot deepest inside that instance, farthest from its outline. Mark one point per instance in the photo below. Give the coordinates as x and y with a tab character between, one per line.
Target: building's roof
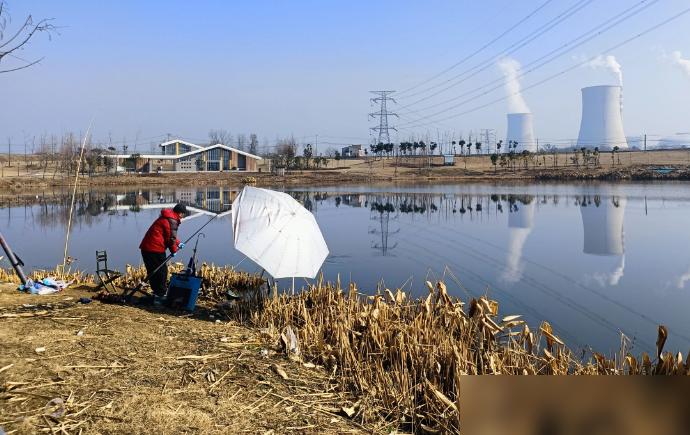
253	156
187	154
170	142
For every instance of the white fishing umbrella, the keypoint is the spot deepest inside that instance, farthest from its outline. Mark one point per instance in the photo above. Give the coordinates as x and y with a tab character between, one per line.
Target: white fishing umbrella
277	233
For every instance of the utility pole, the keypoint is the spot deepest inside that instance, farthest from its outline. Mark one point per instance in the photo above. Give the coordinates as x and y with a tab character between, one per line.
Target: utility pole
383	114
9	157
316	146
645	142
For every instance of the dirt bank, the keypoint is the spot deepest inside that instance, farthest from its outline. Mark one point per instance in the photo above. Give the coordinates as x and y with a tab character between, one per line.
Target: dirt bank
96	368
377	364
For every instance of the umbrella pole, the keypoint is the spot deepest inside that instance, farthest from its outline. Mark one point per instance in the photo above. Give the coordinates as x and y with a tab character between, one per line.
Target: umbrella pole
293	286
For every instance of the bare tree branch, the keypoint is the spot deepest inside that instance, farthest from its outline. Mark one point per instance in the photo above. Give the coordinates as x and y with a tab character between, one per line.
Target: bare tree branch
21	67
21	37
24	26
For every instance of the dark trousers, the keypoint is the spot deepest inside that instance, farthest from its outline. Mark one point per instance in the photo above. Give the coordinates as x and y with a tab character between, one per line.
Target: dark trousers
158	279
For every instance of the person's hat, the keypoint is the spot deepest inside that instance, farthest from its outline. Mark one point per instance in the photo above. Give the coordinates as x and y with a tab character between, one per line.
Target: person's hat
180	209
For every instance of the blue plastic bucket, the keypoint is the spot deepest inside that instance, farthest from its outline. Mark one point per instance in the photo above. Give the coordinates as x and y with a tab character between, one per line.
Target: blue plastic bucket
183	290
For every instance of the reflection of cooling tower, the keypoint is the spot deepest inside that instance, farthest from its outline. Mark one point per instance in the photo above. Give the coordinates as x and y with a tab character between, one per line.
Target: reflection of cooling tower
521	130
520	222
603	226
602	121
522	216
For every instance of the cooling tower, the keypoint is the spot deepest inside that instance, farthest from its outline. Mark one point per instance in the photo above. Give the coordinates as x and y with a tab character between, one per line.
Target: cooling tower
521	130
602	120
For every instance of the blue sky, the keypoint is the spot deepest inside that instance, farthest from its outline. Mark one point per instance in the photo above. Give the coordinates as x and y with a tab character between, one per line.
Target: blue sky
277	68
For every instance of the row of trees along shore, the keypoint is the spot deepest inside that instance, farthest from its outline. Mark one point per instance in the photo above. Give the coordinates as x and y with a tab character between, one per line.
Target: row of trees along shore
507	156
52	156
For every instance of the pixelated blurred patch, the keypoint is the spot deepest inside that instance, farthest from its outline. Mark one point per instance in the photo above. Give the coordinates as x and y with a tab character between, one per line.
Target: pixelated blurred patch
628	405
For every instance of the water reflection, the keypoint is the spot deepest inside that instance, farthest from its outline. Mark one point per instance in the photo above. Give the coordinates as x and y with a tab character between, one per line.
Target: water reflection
208	200
575	255
602	221
52	210
520	221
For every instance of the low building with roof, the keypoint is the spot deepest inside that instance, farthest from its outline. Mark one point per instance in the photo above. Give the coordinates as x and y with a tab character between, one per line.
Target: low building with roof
181	156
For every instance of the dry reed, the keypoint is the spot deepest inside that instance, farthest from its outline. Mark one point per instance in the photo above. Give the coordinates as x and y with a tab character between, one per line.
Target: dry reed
404	358
75	276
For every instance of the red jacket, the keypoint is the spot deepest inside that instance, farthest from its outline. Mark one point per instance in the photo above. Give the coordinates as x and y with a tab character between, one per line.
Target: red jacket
162	234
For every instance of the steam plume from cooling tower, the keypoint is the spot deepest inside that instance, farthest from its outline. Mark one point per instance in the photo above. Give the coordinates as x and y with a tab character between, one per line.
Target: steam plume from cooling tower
609	63
678	60
516	102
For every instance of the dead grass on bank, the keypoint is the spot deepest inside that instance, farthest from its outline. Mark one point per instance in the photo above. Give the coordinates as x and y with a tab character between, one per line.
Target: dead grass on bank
76	277
74	368
389	361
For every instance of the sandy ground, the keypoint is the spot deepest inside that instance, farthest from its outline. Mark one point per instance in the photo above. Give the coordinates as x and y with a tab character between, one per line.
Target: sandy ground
67	367
626	165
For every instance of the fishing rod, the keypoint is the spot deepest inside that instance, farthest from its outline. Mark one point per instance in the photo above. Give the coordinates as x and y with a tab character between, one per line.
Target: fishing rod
168	258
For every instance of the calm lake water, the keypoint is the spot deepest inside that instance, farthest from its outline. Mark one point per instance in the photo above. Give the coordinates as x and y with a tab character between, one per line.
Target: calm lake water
595	260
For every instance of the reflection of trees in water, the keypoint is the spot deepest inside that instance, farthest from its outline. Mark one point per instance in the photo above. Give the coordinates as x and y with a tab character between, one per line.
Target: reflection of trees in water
406	204
310	200
51	210
596	200
515	200
387	207
89	209
427	204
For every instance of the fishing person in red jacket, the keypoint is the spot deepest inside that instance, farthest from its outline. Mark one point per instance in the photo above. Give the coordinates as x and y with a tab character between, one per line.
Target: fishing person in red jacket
160	236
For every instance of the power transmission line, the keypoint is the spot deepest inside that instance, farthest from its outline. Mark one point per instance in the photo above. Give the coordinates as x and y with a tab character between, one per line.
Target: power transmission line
588	36
534	65
383	114
482	66
479	50
549	78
